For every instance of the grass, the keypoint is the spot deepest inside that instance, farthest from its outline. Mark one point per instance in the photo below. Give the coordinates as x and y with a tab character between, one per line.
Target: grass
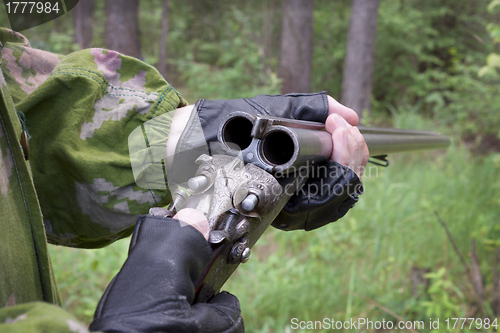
358	265
313	275
83	275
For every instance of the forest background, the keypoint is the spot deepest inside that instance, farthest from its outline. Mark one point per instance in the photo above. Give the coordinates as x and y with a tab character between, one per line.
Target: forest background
419	64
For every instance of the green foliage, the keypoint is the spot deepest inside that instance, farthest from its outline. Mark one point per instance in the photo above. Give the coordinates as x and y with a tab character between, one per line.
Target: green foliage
237	71
431	52
488	233
428	53
331	23
217	51
441	303
83	275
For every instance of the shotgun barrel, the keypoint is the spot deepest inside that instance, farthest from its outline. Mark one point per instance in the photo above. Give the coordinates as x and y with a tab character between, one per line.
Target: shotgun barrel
282	145
383	141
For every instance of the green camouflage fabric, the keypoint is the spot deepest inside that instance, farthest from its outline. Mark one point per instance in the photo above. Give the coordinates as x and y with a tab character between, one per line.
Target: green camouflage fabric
25	271
38	317
80	110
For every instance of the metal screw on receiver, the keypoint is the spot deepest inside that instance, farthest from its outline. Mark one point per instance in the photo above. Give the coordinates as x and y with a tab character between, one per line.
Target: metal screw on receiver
240	253
245	255
197	183
250	202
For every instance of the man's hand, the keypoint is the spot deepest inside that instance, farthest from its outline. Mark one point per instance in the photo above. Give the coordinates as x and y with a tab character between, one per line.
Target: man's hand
195	219
314	210
349	146
154	290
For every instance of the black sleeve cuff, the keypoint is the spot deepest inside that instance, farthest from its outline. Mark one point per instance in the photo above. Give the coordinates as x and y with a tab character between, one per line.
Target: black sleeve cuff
327	196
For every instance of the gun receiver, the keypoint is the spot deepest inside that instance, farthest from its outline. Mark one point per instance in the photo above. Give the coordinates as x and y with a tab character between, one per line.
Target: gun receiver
241	197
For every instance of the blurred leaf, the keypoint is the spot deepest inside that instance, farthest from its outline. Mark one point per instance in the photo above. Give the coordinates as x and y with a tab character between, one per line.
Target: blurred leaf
493	4
493	60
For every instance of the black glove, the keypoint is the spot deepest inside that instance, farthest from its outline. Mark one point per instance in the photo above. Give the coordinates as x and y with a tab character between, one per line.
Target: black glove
330	191
304	210
154	291
311	107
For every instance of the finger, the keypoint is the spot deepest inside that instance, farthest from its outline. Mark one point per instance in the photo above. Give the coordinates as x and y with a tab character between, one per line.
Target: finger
353	151
221	314
194	218
341	153
362	153
226	300
335	121
342	110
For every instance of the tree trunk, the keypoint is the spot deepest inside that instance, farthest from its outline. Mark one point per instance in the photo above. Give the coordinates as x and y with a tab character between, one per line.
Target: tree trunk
296	46
360	56
122	27
83	23
162	66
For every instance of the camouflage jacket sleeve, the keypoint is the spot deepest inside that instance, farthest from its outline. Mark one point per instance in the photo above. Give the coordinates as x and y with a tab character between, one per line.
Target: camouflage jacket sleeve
38	317
80	110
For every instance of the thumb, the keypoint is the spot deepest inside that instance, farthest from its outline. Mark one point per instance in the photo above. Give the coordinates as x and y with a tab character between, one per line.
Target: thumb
221	314
194	218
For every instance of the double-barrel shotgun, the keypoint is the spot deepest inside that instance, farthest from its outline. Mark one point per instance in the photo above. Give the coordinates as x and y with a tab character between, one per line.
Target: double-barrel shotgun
242	187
